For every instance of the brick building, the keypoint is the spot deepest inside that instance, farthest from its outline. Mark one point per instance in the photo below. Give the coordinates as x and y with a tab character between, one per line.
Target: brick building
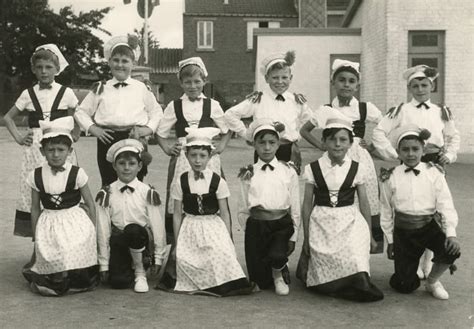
221	33
163	69
387	36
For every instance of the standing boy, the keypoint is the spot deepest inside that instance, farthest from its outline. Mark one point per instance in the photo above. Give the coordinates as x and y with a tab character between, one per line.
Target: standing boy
277	103
120	107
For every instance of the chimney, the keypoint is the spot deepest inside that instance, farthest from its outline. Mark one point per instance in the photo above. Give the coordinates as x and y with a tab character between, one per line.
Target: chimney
312	13
226	2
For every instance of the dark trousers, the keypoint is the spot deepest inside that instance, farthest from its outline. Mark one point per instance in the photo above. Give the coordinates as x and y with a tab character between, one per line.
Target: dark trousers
408	247
107	172
134	236
266	247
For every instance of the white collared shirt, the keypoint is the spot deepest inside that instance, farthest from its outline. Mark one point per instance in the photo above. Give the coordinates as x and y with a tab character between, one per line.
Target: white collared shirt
443	133
56	183
350	112
289	112
129	208
334	175
46	99
421	194
275	189
200	186
192	112
122	107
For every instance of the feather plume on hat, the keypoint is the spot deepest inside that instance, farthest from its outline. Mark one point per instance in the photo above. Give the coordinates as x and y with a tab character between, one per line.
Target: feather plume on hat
129	40
287	59
420	71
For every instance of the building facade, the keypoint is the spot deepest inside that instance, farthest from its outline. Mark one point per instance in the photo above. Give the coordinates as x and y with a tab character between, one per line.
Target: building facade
221	33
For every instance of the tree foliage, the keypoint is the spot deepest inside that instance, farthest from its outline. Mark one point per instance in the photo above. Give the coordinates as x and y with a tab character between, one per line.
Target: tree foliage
153	42
26	24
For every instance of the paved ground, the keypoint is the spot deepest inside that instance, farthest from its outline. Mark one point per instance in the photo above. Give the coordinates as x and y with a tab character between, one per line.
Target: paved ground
19	308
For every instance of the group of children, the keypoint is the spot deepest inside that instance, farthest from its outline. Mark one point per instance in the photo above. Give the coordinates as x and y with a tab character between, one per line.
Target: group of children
122	235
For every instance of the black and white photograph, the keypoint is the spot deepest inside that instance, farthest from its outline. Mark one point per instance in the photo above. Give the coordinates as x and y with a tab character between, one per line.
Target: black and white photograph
236	163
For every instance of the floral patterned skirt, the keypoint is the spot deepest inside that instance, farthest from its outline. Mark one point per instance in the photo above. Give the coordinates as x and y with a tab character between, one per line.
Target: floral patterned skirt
339	241
205	254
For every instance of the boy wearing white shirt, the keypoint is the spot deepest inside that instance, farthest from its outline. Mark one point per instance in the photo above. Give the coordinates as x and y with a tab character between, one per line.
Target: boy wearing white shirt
443	145
414	195
128	219
119	108
277	103
269	209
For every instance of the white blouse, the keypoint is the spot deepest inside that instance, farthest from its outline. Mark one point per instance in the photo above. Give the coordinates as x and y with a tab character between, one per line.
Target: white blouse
56	184
46	99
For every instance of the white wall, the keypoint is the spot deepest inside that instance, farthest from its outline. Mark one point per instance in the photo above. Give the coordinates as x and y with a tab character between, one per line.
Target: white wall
313	47
385	29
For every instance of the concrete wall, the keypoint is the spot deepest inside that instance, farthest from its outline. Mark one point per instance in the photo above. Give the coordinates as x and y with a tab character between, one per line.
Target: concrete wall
385	28
313	47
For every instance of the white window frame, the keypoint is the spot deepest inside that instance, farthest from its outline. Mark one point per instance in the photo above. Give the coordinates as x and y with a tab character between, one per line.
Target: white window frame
205	27
430	52
251	25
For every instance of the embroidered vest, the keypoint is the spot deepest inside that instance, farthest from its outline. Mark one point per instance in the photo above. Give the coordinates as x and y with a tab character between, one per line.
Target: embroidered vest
181	122
345	195
37	115
200	204
67	199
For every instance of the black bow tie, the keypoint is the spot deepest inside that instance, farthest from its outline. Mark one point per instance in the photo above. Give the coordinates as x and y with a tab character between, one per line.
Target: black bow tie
422	104
280	98
415	171
120	84
45	87
55	170
126	187
198	175
267	165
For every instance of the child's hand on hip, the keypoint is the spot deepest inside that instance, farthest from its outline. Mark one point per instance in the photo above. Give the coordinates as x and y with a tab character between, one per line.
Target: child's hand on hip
174	150
218	148
104	135
444	160
452	246
140	131
390	253
27	139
